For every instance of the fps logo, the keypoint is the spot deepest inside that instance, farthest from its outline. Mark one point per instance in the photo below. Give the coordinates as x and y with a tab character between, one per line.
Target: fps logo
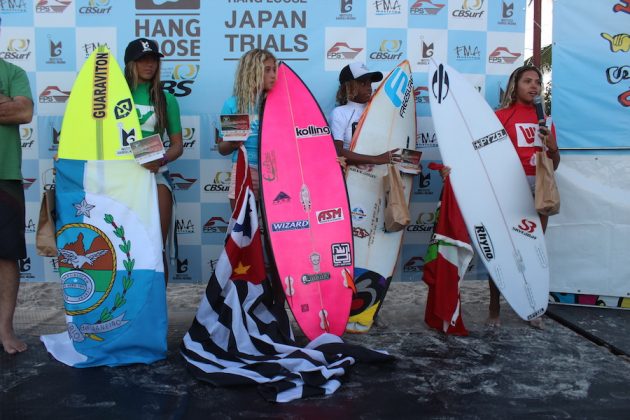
182	78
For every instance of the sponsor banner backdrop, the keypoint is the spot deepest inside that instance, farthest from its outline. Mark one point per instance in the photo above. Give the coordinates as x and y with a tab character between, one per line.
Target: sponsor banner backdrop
592	45
202	42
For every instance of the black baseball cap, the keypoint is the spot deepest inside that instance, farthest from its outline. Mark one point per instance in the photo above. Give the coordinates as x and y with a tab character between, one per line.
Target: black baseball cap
139	47
356	70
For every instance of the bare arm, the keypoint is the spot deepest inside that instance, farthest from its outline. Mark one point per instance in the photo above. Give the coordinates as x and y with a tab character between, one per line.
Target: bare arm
549	138
16	110
353	158
174	151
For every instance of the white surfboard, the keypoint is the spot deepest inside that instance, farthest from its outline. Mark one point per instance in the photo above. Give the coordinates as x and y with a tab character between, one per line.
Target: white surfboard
492	191
388	122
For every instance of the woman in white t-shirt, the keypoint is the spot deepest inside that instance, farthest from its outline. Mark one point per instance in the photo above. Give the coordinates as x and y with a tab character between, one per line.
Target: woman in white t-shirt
355	91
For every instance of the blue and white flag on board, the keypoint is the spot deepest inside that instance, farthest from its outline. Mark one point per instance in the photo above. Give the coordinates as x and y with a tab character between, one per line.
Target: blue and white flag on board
110	263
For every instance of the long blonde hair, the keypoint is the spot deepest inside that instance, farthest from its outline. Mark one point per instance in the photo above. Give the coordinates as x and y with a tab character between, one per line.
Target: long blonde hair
156	94
509	97
249	79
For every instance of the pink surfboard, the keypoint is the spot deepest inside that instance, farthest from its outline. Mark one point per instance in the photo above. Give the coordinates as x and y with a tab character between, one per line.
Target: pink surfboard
306	210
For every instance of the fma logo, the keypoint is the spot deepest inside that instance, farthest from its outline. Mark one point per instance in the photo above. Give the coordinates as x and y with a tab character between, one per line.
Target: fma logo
30	226
16	6
387	7
53	95
390	49
182	78
426	139
501	55
166	4
467	53
96	7
52	6
184	226
425	7
342	51
90	47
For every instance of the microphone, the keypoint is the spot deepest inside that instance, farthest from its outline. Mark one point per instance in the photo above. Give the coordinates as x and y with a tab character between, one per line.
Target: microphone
540	113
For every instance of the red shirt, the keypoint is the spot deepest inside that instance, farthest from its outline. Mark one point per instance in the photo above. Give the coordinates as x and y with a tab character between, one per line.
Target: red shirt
521	123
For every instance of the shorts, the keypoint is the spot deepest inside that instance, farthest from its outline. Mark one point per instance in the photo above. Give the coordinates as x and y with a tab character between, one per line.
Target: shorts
12	215
253	170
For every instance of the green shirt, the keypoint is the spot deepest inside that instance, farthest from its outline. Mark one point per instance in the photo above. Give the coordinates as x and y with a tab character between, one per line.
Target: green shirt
146	113
13	82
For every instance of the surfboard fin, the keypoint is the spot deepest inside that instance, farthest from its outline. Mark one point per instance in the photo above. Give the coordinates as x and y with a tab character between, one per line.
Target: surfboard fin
348	281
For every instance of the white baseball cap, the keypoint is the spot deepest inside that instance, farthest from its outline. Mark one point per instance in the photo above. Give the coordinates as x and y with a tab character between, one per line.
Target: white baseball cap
356	70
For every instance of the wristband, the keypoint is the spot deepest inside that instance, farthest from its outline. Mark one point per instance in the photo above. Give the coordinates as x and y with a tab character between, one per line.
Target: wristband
164	161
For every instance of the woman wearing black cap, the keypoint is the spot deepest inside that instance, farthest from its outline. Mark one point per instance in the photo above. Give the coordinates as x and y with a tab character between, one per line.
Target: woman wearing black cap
158	112
355	91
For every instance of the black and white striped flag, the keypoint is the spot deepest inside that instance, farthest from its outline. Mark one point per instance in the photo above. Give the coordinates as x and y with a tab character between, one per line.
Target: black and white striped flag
240	336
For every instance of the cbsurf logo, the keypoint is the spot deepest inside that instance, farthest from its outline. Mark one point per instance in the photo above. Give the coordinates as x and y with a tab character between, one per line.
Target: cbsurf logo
311	131
99	88
17	49
484	242
470	9
96	7
293	225
390	49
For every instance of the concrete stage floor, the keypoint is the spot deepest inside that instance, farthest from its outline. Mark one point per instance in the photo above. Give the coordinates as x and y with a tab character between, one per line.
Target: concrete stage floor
577	367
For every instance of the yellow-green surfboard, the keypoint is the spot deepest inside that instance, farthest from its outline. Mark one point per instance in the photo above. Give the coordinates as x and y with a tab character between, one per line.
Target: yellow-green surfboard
100	119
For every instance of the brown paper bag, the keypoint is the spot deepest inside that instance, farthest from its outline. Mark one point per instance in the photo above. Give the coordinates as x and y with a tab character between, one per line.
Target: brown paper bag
45	238
546	196
396	208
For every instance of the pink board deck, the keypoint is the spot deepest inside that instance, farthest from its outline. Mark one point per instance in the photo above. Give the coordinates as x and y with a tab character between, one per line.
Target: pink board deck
306	210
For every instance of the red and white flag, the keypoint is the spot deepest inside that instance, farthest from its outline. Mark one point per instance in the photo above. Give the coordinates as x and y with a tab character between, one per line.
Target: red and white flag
445	264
